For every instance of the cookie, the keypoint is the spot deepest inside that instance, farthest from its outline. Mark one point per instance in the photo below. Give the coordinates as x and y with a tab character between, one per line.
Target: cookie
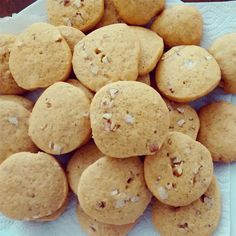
76	83
144	79
40	57
94	228
33	185
80	14
60	124
186	73
119	200
14	130
7	83
110	16
179	25
26	103
106	55
151	46
218	131
199	218
118	118
183	118
71	35
223	49
180	172
138	12
81	159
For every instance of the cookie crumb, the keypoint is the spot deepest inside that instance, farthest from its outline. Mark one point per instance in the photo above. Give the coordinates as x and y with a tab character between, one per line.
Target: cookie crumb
120	203
113	92
180	110
129	119
163	193
181	122
114	192
107	116
13	120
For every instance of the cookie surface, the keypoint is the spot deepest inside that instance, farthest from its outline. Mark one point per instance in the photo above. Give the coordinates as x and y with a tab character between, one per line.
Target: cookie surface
183	118
50	62
186	73
14	125
119	200
81	159
179	25
80	14
110	16
117	118
59	124
180	172
33	185
202	216
151	46
218	131
223	50
26	103
138	12
76	83
71	35
7	83
107	55
144	79
94	228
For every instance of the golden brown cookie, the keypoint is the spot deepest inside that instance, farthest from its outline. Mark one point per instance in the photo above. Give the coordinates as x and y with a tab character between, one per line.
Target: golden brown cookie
138	12
76	83
186	73
180	172
218	130
33	185
128	112
151	46
179	25
82	158
14	125
144	79
183	118
26	103
60	122
223	49
94	228
40	57
7	83
110	16
71	35
199	218
121	198
81	14
107	55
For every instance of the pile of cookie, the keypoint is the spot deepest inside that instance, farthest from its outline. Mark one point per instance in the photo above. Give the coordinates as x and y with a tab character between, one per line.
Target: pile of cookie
130	142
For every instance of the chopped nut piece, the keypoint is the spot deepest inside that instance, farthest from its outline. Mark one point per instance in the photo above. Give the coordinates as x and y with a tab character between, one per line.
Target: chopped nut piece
105	60
180	110
13	120
120	203
93	69
78	3
208	201
67	21
163	193
208	58
181	122
134	199
107	116
56	148
113	92
153	148
107	102
79	17
114	127
129	119
168	186
177	171
114	192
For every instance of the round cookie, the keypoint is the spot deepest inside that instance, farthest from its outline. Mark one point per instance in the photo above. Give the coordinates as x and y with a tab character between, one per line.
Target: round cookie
7	83
179	25
151	46
26	103
33	185
180	172
76	83
122	198
71	35
218	130
40	57
110	16
60	124
199	218
138	12
107	55
118	118
94	228
186	73
80	14
14	130
82	158
144	79
183	118
223	49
